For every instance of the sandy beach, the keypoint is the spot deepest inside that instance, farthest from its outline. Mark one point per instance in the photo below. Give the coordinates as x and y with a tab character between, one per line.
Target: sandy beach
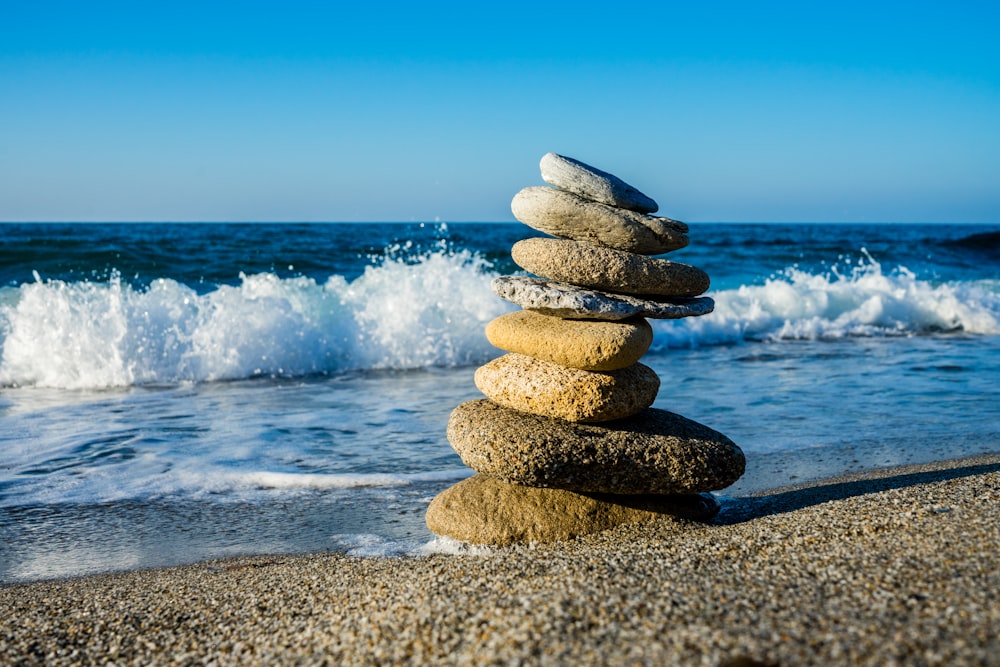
897	566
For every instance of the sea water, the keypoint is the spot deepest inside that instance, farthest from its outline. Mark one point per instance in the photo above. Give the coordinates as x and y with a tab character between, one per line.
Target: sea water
177	392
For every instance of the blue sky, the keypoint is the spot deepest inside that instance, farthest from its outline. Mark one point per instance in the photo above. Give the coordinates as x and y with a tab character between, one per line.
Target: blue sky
309	111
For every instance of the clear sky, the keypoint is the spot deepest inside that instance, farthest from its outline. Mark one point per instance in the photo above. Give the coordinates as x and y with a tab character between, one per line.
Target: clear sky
315	111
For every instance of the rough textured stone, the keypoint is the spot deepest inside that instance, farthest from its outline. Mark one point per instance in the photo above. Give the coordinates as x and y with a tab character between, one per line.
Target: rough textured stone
654	451
590	345
597	267
545	388
484	510
558	299
574	176
570	216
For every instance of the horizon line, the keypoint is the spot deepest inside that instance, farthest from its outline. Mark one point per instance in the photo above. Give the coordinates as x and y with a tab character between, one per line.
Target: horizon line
476	222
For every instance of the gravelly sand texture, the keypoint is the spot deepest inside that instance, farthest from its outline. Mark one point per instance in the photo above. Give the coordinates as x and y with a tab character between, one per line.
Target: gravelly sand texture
896	568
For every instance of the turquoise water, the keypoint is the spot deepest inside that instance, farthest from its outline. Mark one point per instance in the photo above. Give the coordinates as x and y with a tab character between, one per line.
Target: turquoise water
175	392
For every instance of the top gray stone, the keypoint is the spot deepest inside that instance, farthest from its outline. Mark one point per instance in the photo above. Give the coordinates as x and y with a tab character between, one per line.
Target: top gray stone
574	176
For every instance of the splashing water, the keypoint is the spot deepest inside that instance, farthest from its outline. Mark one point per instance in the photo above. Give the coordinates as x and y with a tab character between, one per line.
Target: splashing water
411	311
400	313
864	301
119	447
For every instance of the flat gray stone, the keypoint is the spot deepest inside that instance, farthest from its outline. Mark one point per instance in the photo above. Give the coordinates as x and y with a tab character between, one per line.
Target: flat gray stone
484	510
590	183
607	269
570	216
654	451
550	297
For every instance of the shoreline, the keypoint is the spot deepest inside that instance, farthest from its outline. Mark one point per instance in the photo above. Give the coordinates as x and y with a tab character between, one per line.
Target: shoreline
896	565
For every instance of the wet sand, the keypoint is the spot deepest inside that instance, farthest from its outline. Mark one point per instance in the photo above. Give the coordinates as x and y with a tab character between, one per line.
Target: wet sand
897	566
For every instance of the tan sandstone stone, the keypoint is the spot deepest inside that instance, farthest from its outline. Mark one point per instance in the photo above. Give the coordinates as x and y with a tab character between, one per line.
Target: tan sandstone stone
545	388
590	345
485	510
597	267
570	216
654	451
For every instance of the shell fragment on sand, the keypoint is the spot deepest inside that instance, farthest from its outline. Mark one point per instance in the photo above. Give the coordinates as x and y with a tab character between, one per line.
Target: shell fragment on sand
654	451
570	216
574	176
545	388
590	345
484	510
607	269
564	300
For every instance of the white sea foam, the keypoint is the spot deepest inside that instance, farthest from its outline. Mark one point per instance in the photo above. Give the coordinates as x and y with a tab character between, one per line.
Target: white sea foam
410	313
397	314
862	300
193	479
452	547
283	480
366	545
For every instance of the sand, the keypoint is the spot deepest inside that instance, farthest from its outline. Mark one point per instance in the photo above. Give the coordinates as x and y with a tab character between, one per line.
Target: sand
894	567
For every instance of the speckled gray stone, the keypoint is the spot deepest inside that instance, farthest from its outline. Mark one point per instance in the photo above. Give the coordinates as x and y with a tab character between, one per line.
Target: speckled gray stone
551	297
546	388
607	269
579	178
654	451
570	216
485	510
590	345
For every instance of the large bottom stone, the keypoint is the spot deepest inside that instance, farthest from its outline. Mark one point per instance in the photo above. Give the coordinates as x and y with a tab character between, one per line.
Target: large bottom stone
654	451
484	510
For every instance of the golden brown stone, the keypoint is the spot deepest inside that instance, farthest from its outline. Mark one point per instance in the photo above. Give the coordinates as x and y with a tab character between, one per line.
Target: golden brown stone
544	388
590	345
485	510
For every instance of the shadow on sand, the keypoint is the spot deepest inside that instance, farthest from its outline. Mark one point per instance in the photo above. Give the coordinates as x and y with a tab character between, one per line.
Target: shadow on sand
747	508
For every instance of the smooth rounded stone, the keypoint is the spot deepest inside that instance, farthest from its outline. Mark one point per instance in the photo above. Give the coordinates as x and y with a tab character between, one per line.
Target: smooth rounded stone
570	216
654	451
590	183
545	388
590	345
485	510
551	297
597	267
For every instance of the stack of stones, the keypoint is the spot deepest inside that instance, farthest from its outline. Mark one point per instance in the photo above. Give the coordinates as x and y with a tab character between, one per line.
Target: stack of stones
566	442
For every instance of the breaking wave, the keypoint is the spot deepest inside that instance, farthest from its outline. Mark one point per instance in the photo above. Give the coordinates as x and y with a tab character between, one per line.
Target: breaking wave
859	299
410	312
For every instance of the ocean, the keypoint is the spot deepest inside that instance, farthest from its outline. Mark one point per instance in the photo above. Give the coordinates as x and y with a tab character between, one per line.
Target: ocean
171	393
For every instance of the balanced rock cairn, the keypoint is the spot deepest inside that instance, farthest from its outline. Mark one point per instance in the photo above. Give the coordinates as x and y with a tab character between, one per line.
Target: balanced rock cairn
566	442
